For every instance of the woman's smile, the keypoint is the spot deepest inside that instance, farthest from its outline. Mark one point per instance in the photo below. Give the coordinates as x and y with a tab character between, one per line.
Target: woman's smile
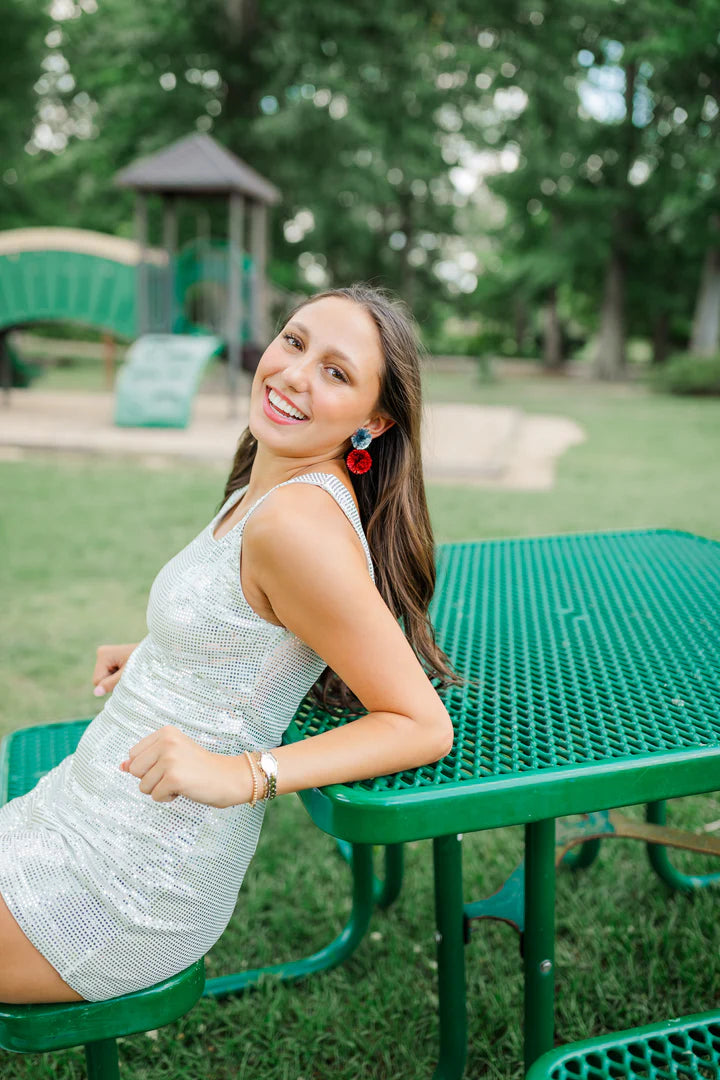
280	409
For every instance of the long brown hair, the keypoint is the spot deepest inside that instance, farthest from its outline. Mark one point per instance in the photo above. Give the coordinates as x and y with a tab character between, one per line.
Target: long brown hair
391	495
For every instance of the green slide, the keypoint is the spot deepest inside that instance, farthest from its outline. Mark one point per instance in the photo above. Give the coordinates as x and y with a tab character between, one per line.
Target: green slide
161	373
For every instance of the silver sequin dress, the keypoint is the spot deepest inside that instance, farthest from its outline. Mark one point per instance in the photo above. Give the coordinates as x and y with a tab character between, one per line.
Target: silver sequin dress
119	891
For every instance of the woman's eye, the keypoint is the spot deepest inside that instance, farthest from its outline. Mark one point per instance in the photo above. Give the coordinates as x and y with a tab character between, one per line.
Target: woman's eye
337	373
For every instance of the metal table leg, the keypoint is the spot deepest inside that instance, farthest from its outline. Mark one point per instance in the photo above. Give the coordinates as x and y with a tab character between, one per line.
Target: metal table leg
539	950
328	957
655	812
101	1059
449	918
386	891
583	857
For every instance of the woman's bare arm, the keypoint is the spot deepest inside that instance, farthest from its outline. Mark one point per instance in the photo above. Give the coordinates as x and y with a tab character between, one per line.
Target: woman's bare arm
307	560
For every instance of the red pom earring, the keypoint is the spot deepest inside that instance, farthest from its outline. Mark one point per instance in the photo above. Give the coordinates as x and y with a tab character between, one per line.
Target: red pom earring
358	460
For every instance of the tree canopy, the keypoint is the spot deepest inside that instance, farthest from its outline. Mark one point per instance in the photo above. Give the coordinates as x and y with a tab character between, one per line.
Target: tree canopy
527	165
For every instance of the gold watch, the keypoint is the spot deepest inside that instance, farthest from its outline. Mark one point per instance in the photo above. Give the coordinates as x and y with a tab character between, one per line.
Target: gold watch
268	764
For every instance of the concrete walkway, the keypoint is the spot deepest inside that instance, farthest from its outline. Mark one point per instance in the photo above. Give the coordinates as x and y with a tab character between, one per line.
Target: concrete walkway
490	446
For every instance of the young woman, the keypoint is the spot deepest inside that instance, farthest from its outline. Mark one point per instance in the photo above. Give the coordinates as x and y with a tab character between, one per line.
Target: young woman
122	865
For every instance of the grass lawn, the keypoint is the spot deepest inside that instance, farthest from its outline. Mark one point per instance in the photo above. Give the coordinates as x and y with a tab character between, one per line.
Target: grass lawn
82	540
649	461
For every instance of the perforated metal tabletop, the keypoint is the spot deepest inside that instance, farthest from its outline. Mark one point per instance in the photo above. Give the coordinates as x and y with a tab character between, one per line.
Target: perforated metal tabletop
593	664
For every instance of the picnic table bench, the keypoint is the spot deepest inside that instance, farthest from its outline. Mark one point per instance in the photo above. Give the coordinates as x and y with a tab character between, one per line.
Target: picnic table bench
683	1048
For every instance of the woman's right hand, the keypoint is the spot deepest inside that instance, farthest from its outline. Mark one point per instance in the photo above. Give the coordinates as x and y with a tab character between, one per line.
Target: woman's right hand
111	659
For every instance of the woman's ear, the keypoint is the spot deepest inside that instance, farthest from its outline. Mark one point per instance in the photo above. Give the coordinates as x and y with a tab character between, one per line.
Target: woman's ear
378	425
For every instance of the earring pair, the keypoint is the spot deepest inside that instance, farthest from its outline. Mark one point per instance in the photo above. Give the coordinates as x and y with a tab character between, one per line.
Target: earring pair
358	460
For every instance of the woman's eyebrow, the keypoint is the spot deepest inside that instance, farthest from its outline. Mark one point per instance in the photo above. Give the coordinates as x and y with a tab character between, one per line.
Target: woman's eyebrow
335	352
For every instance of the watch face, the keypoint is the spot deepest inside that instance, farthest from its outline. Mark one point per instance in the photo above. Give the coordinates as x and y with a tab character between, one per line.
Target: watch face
268	762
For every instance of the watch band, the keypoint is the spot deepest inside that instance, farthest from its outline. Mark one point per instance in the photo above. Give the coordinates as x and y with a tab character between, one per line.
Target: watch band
268	764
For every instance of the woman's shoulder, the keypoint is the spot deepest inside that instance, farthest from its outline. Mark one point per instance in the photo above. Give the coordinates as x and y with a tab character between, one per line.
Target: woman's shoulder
303	501
308	515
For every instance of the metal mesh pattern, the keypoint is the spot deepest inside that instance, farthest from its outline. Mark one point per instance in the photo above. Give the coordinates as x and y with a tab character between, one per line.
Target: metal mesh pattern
34	751
119	891
577	648
27	754
681	1054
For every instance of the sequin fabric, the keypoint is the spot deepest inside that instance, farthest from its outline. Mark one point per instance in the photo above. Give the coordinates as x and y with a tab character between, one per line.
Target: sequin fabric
119	891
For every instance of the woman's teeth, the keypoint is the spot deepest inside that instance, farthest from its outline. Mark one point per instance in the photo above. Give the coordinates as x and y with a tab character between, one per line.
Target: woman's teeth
284	407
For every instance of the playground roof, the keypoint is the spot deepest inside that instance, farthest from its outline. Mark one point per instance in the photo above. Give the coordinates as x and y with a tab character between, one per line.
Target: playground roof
197	165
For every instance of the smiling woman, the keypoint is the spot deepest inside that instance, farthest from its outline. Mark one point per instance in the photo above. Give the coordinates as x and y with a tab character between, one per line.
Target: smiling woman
123	865
350	359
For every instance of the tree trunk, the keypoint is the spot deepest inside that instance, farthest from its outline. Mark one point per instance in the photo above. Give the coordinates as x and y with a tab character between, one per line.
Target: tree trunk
552	338
610	355
609	360
241	16
705	336
660	339
407	286
521	324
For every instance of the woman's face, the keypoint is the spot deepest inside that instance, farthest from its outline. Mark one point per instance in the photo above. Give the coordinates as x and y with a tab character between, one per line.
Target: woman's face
318	381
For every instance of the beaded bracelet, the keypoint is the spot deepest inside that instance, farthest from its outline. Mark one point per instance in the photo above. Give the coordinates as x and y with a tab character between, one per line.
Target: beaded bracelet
265	782
265	779
256	785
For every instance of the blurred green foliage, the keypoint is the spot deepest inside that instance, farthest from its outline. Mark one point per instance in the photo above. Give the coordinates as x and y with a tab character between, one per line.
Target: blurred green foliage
685	374
548	169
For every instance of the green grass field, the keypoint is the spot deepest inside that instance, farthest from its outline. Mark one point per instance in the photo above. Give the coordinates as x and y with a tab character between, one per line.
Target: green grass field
82	540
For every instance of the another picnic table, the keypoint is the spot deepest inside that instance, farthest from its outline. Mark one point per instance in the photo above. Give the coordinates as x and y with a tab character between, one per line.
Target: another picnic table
593	666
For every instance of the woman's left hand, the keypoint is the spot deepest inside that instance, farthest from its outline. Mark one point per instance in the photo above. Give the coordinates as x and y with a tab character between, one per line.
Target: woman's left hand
170	763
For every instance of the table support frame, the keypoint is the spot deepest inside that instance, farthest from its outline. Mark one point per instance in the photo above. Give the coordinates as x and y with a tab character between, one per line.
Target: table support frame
656	812
539	938
366	891
526	902
450	939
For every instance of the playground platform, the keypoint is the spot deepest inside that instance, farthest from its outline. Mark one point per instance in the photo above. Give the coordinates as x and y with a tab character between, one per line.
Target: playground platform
489	446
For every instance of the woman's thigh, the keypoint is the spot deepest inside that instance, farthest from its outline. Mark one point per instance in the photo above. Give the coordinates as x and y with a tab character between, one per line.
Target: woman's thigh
26	977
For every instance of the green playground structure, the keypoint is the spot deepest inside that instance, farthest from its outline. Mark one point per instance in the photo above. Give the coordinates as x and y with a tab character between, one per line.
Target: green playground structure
91	278
126	288
70	274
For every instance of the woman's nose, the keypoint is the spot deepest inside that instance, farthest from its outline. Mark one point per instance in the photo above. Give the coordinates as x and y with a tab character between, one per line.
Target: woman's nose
297	374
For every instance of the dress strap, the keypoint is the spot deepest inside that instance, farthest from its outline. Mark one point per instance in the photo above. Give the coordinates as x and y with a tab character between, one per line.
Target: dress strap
331	483
232	498
334	485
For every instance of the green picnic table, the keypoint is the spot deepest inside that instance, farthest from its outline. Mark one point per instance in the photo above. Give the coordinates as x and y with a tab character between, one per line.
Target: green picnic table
593	668
593	662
